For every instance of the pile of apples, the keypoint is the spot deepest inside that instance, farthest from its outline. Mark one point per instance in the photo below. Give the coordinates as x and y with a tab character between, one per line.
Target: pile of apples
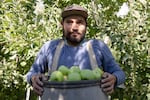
75	74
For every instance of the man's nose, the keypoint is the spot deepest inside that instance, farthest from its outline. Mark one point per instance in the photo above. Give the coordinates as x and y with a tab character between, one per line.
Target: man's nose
74	26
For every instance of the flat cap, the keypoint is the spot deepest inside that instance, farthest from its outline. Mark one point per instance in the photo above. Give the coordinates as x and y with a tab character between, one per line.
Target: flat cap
74	10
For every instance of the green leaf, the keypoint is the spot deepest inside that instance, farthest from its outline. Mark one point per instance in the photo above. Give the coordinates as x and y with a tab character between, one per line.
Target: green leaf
23	63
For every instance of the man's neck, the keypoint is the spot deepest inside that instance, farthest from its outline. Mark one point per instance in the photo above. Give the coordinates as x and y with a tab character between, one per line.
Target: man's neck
73	43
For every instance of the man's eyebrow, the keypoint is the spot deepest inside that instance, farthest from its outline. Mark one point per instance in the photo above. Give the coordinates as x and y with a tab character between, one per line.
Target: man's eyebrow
81	20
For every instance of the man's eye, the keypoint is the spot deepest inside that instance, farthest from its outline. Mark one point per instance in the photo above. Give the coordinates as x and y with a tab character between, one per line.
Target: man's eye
69	21
80	22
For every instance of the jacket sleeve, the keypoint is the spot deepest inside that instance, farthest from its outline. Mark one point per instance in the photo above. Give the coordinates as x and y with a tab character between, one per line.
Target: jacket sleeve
109	64
39	64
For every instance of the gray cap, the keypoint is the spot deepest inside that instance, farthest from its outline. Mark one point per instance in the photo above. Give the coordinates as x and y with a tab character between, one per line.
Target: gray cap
74	10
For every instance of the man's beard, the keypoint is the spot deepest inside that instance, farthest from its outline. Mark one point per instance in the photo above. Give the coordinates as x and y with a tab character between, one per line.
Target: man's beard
74	40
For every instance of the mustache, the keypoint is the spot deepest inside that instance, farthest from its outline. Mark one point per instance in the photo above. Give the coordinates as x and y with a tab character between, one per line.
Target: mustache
74	32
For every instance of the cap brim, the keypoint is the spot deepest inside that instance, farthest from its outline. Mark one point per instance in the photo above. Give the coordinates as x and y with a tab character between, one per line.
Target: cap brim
74	12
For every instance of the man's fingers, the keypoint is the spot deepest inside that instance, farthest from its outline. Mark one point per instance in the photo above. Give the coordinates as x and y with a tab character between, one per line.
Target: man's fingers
105	75
108	82
38	80
37	91
108	89
104	85
38	84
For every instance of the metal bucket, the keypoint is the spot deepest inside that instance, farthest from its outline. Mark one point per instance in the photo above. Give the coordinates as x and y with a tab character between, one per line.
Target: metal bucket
79	90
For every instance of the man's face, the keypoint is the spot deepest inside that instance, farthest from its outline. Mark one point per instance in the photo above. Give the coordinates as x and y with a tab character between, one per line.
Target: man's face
74	28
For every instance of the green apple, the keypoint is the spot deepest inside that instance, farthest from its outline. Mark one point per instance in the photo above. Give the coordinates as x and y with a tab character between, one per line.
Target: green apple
74	77
99	69
57	76
63	69
98	73
87	74
74	69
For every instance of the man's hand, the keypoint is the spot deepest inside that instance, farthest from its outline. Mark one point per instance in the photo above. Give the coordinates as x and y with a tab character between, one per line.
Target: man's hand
108	82
37	83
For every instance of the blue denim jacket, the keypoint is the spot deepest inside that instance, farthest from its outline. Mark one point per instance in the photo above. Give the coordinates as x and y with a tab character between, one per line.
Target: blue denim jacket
76	56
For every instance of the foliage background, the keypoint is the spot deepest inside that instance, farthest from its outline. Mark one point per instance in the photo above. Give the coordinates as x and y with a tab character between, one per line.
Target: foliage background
23	31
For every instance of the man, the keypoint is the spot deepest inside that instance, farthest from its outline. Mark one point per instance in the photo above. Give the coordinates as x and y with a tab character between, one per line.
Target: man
74	52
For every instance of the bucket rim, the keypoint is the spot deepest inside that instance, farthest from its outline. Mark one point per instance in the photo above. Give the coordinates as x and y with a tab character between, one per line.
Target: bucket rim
72	84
